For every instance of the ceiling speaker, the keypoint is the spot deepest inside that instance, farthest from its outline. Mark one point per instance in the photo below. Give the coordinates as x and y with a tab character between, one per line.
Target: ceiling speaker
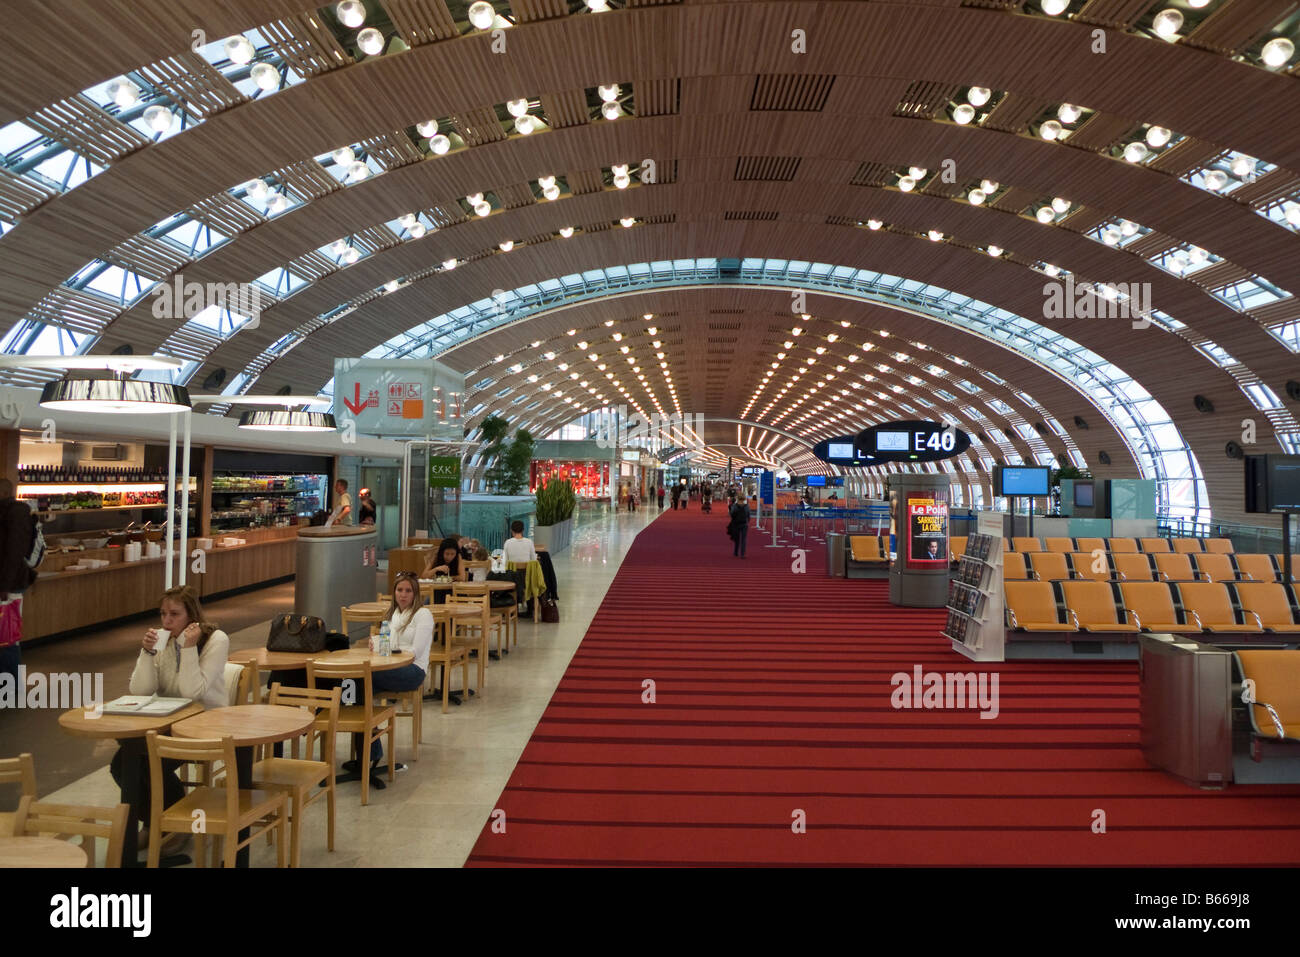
124	349
1203	404
1234	451
284	390
1293	389
215	380
1103	458
1080	422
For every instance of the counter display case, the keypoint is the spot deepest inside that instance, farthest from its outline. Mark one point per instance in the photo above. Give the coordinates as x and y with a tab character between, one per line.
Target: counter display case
256	499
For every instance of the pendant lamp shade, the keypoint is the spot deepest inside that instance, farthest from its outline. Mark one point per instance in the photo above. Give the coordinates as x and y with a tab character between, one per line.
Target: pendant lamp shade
281	420
129	396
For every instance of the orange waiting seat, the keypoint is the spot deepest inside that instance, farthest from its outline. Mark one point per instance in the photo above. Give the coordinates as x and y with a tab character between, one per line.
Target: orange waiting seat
1087	565
1090	544
1122	544
1049	566
868	550
1222	546
1187	545
1031	606
1257	568
1210	603
1215	567
1006	545
1092	607
1155	544
1176	567
1267	602
1281	568
1152	604
1276	676
1026	544
1013	567
1062	545
1133	568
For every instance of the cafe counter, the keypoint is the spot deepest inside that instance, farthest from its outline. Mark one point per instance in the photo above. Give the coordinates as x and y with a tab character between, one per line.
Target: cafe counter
66	599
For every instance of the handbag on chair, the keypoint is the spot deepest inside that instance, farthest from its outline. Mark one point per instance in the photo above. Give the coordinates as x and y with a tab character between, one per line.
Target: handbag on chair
300	634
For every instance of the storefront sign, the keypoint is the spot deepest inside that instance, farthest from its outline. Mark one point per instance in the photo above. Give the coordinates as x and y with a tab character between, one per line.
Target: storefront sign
927	529
444	471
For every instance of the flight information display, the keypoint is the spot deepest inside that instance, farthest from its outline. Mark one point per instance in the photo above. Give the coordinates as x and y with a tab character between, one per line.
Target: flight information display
893	442
839	450
913	440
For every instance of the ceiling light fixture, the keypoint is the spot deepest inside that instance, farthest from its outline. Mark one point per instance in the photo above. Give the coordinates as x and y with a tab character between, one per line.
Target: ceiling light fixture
481	15
1167	23
123	92
1068	112
439	144
1277	52
371	41
1158	136
963	114
265	76
1050	130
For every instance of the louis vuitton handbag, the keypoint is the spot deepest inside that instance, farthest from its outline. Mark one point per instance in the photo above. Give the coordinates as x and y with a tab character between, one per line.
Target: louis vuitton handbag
301	634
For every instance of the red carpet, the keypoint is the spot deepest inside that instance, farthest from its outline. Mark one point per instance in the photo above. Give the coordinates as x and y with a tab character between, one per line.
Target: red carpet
773	695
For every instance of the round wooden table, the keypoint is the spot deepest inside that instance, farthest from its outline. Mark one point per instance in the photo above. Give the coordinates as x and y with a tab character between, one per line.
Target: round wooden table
360	654
370	612
259	659
249	725
129	730
37	851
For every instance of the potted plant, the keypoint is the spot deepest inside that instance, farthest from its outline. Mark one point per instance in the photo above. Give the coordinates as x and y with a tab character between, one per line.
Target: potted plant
555	504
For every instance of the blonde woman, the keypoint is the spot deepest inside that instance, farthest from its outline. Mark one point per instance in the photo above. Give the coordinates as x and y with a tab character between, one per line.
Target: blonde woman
410	629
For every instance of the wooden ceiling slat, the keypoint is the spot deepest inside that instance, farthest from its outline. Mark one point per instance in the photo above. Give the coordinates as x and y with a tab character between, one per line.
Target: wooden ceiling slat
657	97
1084	220
374	238
585	181
225	214
1236	24
1184	156
312	266
19	195
515	196
1219	275
1013	113
479	126
421	21
924	99
873	174
74	310
1274	185
306	181
1015	199
1284	310
566	109
527	11
191	79
791	91
1153	244
147	256
305	44
392	149
1117	14
80	125
1099	132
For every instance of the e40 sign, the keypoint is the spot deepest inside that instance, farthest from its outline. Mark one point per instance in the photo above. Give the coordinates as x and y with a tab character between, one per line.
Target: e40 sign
444	471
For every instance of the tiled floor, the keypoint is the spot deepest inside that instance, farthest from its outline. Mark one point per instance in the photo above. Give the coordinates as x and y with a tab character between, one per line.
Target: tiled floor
433	813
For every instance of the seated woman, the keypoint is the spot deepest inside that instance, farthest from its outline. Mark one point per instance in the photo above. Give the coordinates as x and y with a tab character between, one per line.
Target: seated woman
186	659
410	629
444	560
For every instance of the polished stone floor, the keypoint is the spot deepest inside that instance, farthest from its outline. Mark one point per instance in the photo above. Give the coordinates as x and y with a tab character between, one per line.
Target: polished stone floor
433	813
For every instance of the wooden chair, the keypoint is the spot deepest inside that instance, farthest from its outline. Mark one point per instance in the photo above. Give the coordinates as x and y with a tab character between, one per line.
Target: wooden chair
470	565
35	817
484	623
296	777
447	653
408	704
239	684
364	719
226	809
21	771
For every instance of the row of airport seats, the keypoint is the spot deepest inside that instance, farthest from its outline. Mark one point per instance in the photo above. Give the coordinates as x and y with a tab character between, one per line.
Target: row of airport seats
1143	566
1099	607
1191	546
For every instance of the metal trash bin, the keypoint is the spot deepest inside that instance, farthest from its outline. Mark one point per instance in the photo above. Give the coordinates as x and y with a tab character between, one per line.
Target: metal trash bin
835	555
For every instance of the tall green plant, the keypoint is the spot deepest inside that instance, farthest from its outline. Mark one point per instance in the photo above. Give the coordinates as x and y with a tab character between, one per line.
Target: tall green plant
507	473
555	501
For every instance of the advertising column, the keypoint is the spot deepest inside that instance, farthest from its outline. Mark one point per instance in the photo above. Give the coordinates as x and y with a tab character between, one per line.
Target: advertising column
918	575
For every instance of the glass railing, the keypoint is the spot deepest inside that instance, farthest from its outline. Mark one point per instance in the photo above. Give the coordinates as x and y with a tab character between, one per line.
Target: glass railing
1247	539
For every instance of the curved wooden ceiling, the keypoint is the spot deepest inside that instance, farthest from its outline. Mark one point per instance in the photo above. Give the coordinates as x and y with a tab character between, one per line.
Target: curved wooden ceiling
696	71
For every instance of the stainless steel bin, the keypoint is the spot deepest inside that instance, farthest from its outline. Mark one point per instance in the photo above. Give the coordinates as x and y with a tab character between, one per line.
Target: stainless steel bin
835	555
1186	708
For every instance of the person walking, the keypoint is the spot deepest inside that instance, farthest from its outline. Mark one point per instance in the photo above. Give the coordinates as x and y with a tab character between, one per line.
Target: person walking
738	527
706	498
677	496
660	495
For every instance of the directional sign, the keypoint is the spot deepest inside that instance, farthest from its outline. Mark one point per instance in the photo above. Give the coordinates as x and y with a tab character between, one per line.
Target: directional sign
399	397
912	440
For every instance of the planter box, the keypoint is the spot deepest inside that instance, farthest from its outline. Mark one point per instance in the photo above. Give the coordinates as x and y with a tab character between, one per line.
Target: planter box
554	538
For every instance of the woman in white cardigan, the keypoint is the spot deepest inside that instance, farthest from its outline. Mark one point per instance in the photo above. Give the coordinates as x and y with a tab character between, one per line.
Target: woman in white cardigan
410	629
190	663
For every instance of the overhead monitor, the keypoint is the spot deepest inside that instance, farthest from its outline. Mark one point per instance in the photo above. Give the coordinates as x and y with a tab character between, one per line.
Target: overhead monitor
817	481
893	442
839	450
912	440
1272	483
1021	480
1083	497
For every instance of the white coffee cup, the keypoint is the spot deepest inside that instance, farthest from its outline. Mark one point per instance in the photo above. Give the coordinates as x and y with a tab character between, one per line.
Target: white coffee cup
163	636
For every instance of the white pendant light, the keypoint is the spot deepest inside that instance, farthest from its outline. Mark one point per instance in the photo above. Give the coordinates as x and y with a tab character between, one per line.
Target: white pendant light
123	92
545	181
371	41
392	285
481	15
265	76
611	111
417	230
276	202
874	224
917	172
989	186
287	420
963	114
1045	214
1278	52
525	125
1243	166
628	222
551	192
1128	227
343	156
351	255
1136	152
120	396
1167	23
406	220
1052	270
935	236
351	13
506	246
1216	179
427	129
1060	204
358	171
608	93
995	251
1068	112
622	181
1293	214
239	50
1158	136
979	95
566	231
482	209
906	184
1110	236
517	107
449	264
159	118
1049	130
976	197
339	247
255	189
439	144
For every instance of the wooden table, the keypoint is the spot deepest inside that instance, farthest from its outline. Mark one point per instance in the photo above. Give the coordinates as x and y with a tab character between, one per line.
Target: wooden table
249	725
34	851
259	659
361	654
129	731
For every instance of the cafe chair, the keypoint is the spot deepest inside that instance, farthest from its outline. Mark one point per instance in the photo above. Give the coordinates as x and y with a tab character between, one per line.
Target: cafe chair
471	566
227	809
239	684
448	652
365	719
21	771
296	777
483	602
408	704
39	817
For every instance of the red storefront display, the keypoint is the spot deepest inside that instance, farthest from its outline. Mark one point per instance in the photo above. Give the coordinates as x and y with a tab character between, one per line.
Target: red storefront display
590	479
